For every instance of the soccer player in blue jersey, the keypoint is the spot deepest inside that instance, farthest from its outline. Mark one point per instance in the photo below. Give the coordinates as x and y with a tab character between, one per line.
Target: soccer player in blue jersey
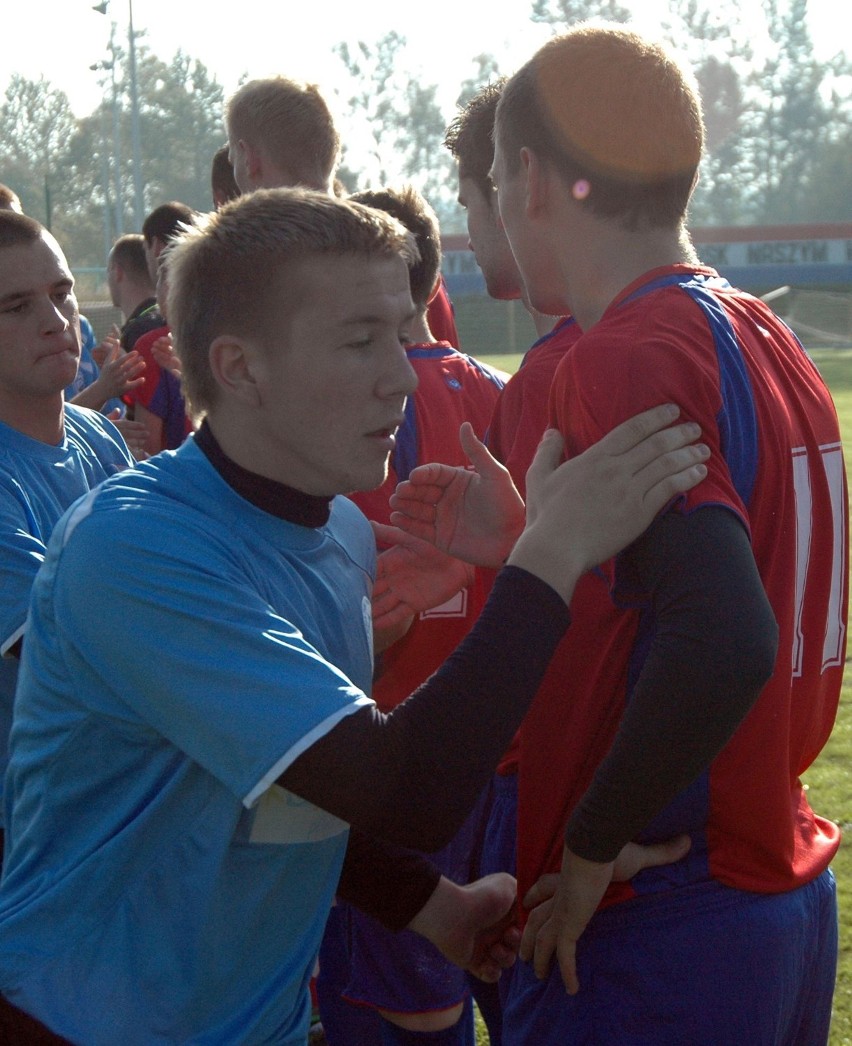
398	982
191	747
50	452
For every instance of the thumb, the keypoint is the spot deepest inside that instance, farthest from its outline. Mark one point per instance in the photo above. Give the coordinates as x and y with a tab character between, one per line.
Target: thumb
387	535
548	455
669	852
477	453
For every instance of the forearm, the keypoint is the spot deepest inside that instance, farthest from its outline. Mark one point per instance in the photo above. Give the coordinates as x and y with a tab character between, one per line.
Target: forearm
94	396
390	883
713	650
412	776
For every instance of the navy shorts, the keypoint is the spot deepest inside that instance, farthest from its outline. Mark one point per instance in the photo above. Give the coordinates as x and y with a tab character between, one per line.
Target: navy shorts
403	972
704	965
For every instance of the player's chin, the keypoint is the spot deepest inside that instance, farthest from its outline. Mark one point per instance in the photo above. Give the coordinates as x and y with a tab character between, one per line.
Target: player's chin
370	475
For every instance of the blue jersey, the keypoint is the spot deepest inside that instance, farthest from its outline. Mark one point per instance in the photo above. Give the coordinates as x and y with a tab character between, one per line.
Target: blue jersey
184	648
38	481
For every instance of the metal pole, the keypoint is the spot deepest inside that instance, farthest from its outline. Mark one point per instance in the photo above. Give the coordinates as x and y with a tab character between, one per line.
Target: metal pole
139	205
116	138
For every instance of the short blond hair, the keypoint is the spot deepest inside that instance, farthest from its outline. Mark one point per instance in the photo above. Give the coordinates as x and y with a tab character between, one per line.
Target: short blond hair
219	271
291	123
606	106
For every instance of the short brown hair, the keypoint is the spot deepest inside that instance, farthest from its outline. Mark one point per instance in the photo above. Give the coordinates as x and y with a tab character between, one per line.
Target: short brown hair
217	271
411	209
18	230
166	220
9	200
470	136
128	251
223	185
291	122
604	105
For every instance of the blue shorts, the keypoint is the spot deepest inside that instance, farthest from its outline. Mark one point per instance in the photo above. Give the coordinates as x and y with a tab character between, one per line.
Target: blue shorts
705	965
497	853
403	972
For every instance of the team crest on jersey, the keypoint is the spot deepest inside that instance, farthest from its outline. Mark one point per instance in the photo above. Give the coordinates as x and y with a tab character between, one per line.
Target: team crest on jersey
456	606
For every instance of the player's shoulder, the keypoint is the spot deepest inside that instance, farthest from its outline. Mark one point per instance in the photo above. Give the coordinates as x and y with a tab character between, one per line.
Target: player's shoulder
89	432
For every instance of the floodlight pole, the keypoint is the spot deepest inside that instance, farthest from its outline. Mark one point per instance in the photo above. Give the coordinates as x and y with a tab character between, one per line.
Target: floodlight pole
138	187
138	201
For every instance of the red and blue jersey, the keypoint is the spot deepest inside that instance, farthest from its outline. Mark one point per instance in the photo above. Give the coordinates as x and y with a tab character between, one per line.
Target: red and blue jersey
520	417
682	335
452	388
160	393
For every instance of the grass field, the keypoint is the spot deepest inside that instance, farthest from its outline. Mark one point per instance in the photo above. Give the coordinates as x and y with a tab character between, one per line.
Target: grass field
829	780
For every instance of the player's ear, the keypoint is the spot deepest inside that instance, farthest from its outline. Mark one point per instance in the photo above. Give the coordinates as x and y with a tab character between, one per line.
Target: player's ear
253	160
537	182
236	367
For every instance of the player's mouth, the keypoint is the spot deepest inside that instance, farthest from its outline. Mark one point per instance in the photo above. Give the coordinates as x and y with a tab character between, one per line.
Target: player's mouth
386	437
63	350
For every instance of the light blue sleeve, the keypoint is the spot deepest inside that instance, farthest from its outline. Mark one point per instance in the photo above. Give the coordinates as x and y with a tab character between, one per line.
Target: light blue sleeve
184	643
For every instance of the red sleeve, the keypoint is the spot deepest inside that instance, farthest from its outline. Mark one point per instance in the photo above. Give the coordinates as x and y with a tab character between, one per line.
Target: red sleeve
144	393
663	354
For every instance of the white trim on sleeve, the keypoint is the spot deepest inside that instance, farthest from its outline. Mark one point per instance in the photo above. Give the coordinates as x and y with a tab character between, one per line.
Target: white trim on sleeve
302	745
10	642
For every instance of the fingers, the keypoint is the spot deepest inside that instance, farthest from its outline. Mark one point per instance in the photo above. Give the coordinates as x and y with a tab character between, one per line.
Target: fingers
386	536
543	890
545	947
548	456
659	444
538	916
566	952
630	433
673	473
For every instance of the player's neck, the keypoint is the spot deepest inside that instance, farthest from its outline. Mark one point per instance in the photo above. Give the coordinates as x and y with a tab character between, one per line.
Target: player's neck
41	418
615	260
420	333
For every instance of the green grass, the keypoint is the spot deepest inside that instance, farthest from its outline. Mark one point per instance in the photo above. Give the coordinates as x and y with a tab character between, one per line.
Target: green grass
829	780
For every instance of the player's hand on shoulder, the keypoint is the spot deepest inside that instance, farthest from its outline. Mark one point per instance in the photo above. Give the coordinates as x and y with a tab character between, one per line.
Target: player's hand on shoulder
583	511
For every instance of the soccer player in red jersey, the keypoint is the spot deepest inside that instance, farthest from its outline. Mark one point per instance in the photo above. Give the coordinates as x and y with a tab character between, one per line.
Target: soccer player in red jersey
731	687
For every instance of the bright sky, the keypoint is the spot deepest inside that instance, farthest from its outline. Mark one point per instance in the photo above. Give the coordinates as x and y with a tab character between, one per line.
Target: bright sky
60	39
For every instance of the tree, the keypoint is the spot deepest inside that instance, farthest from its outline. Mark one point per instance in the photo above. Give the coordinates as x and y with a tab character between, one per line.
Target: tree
394	127
563	13
792	123
36	122
181	113
487	71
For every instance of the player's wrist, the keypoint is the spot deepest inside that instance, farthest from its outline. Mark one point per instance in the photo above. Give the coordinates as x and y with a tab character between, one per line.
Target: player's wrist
561	569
